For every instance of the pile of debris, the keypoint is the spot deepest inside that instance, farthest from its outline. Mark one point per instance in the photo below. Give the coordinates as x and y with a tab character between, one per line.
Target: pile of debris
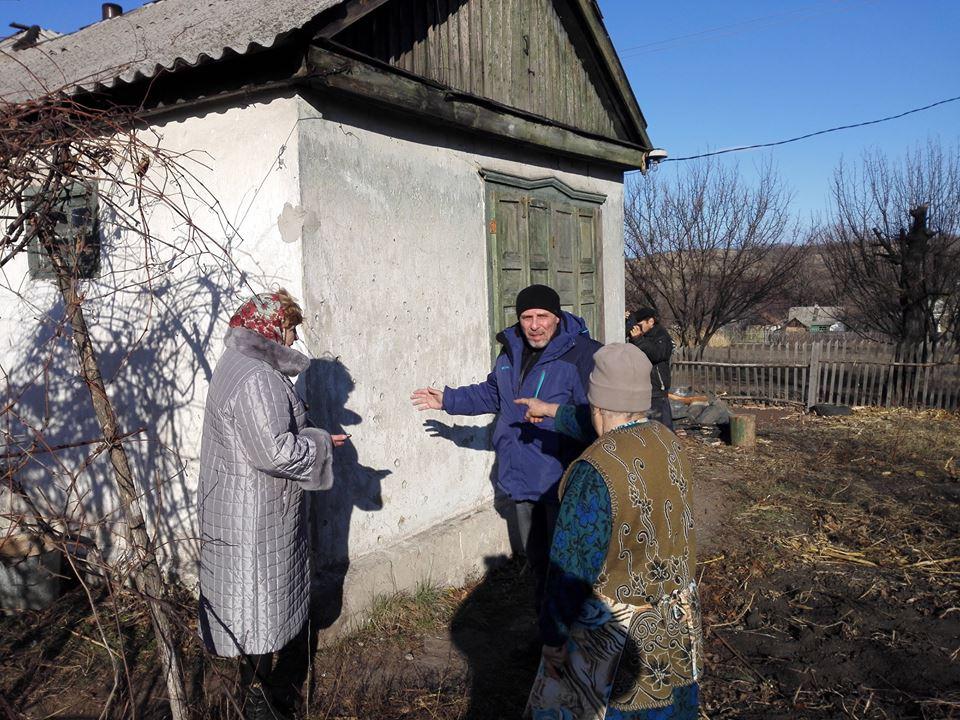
697	413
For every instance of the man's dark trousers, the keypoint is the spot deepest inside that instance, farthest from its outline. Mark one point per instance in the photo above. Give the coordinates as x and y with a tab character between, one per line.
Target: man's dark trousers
535	524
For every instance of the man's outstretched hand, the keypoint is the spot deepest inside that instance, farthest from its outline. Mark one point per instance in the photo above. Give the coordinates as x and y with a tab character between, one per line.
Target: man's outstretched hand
427	399
537	409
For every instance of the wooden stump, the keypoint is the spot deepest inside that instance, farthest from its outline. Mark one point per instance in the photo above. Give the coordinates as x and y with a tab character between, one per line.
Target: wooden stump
743	431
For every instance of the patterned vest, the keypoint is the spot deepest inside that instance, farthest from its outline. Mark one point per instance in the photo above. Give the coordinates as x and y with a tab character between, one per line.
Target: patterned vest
650	562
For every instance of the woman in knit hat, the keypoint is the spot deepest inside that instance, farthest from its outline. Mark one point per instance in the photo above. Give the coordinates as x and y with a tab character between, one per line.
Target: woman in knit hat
257	456
621	617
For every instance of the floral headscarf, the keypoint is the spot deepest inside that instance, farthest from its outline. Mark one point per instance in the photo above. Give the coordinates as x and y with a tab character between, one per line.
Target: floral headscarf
263	314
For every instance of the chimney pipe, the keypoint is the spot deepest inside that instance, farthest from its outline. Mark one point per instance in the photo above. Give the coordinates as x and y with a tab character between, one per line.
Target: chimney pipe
111	10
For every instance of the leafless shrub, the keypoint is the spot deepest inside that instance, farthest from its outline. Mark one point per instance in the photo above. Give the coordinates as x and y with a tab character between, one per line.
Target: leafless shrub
707	249
75	176
892	244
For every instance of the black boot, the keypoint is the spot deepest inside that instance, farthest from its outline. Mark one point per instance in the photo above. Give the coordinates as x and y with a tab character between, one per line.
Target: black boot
259	706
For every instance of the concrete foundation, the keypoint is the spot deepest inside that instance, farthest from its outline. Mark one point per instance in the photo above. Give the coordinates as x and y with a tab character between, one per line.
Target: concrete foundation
444	555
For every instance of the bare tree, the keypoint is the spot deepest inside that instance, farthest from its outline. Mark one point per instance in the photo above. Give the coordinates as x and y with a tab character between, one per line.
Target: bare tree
892	245
52	151
708	249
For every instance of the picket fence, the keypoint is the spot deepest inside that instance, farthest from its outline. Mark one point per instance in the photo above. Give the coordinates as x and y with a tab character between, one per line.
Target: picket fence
837	372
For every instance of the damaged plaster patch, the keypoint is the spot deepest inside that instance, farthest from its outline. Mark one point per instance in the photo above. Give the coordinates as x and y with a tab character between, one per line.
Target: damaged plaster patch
292	221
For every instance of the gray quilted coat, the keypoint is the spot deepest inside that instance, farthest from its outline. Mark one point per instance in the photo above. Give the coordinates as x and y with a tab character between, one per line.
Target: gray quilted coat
256	459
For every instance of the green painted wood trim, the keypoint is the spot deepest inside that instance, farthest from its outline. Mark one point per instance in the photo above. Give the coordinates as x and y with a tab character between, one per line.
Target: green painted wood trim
492	176
497	184
493	267
335	68
600	291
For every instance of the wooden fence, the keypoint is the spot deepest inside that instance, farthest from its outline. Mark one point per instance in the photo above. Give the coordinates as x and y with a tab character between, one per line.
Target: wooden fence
814	373
800	352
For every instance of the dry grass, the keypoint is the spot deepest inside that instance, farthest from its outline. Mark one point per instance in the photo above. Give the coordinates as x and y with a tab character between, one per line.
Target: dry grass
830	591
427	608
844	556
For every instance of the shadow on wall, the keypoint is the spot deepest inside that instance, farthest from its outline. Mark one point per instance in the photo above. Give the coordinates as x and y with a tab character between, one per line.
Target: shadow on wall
154	352
326	388
473	437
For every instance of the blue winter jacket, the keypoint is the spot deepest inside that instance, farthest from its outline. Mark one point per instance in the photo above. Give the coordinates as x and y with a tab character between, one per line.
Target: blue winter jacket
531	458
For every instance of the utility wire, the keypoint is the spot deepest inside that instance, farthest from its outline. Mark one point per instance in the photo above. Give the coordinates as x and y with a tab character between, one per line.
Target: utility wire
809	135
805	13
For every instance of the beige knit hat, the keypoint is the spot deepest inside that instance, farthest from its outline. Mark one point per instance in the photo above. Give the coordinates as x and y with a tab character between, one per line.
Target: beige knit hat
620	380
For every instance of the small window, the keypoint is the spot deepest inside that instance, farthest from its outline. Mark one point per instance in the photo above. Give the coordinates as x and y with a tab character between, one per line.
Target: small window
77	234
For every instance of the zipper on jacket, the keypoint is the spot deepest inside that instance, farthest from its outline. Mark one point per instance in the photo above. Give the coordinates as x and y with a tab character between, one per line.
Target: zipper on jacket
543	374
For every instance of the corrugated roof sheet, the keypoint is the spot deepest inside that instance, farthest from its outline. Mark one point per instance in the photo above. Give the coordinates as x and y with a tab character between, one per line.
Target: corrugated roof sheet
158	36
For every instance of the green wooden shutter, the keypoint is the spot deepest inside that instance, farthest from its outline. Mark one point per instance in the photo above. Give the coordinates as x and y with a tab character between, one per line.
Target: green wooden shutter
542	231
564	252
512	266
587	298
538	222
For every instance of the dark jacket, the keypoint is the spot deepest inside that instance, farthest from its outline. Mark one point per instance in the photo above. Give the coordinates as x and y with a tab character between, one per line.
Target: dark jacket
658	347
531	458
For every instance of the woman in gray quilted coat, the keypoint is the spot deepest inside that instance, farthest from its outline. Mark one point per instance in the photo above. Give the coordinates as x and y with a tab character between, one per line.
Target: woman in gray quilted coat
256	459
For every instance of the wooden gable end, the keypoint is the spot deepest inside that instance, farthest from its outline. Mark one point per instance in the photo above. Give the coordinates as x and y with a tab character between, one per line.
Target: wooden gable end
532	55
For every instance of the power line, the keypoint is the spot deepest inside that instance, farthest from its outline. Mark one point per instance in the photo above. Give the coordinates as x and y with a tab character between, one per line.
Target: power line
757	23
810	135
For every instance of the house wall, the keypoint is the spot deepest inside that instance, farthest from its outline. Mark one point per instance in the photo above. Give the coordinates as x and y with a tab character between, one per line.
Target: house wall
377	222
157	349
396	289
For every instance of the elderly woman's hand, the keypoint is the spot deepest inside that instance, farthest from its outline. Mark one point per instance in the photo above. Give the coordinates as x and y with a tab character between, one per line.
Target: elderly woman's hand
537	409
339	440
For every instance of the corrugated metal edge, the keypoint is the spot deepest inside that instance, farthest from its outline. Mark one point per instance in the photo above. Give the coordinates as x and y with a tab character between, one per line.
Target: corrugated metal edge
140	70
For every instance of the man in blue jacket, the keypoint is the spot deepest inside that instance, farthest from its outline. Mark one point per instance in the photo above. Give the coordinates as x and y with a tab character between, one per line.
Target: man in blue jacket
548	355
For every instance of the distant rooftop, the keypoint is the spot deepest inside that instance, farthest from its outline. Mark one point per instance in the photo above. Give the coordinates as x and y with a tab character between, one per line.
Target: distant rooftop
812	315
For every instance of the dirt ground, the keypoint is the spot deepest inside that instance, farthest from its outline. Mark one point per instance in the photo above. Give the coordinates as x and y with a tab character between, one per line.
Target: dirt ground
829	565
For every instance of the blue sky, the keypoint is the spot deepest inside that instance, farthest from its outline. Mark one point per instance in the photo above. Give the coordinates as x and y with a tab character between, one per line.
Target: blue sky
60	15
711	75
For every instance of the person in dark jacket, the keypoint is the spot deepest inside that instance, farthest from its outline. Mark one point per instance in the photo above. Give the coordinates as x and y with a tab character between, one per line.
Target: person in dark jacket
548	354
646	332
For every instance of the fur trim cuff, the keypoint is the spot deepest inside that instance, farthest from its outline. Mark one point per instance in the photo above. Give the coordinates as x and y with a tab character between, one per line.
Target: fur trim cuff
321	475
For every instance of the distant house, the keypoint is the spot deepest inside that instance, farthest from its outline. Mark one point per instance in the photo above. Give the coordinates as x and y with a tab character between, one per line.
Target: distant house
402	166
815	319
762	327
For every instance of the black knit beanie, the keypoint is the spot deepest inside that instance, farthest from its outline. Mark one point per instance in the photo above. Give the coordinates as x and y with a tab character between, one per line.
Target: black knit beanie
540	297
644	313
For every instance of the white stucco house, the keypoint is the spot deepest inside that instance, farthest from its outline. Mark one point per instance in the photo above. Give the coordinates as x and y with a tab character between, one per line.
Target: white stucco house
404	167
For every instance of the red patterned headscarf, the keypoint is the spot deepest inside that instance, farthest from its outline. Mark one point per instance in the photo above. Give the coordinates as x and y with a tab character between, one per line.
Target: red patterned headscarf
263	314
